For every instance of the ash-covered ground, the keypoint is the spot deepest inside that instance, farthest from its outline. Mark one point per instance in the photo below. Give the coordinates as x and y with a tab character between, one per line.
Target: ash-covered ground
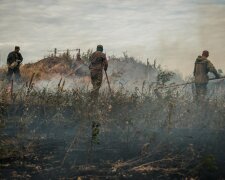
139	131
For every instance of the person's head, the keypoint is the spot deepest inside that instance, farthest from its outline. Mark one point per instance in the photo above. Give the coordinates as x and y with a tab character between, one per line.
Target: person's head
205	53
100	48
17	48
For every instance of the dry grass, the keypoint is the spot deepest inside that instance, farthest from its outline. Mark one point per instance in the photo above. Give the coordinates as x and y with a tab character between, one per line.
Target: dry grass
173	128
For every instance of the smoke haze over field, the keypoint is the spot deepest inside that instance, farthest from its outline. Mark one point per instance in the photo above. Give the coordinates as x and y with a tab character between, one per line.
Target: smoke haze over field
174	32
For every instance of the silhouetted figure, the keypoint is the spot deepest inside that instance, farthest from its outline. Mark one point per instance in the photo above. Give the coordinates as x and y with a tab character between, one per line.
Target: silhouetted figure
13	61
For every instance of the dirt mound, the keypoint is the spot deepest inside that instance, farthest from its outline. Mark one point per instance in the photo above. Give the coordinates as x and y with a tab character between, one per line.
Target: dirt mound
49	67
46	68
123	72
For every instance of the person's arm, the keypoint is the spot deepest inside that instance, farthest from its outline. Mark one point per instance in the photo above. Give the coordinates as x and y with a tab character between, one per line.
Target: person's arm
90	59
212	69
9	58
194	70
199	57
20	57
105	62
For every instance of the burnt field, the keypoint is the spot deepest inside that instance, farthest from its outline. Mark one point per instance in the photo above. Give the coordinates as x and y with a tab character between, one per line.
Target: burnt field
147	133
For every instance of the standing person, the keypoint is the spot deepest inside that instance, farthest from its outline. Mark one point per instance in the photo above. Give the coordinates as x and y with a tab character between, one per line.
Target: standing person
201	69
98	62
13	61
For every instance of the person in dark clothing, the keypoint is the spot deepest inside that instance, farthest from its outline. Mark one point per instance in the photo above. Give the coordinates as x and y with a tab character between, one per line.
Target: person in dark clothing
13	61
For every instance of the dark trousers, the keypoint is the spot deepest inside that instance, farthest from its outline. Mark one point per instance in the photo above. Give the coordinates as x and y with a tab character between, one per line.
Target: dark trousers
16	72
96	80
201	91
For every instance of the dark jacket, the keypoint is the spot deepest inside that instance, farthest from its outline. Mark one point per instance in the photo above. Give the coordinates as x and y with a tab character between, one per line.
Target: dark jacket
13	57
202	67
98	61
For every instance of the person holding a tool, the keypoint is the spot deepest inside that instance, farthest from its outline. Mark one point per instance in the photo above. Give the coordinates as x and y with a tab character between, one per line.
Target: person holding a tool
98	62
201	69
13	61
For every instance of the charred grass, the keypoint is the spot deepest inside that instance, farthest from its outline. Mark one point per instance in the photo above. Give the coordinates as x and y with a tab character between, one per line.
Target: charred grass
141	134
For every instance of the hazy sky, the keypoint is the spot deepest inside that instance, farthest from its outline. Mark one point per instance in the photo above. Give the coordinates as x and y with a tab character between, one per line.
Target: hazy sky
173	31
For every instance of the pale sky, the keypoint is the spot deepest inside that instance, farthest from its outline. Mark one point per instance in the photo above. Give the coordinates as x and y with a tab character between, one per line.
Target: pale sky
173	31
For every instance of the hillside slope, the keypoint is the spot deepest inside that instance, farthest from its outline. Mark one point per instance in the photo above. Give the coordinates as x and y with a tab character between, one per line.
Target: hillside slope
123	72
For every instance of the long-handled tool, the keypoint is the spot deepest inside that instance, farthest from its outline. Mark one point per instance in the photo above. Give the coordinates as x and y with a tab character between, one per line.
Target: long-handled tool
108	82
177	85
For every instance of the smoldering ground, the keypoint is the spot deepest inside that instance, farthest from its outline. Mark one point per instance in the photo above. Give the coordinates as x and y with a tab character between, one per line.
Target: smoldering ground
49	135
142	133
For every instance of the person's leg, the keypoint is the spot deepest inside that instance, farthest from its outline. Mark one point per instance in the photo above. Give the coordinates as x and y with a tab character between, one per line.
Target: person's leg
17	73
197	92
204	90
96	80
9	74
201	91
